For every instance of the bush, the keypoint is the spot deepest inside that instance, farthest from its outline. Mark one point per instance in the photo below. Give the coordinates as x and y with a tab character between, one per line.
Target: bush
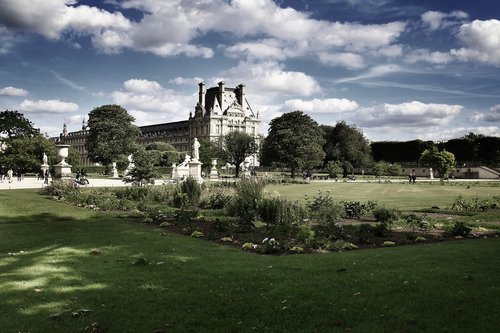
60	189
354	209
216	200
340	245
187	194
458	229
324	210
474	205
365	234
415	222
132	193
385	215
278	211
244	204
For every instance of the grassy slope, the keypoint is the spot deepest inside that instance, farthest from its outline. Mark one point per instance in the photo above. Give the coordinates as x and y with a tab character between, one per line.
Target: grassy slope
193	285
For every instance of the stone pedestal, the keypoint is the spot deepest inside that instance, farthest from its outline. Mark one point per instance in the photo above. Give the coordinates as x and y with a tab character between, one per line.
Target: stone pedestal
213	171
62	170
195	170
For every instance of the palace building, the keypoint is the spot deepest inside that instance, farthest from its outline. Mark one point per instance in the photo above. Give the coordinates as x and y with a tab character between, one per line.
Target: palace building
219	110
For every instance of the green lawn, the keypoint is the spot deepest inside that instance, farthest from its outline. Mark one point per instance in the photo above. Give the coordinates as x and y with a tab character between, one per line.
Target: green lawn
63	268
397	195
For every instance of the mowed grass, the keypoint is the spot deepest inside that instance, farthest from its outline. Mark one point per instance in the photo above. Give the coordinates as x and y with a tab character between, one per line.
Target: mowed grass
63	269
397	195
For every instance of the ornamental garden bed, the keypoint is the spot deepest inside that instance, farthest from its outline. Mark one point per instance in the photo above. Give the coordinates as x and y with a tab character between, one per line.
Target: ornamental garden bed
243	215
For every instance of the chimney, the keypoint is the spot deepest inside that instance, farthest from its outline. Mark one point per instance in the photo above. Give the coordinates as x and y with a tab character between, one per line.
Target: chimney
202	91
221	94
242	96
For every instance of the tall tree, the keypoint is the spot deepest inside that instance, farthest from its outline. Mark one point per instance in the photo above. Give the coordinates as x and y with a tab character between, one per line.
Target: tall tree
14	124
111	134
210	149
26	153
294	140
346	144
442	161
237	147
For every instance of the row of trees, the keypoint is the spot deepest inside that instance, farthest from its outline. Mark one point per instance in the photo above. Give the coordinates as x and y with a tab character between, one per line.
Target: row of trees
294	141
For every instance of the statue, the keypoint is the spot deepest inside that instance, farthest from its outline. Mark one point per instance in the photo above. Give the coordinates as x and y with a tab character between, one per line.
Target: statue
44	159
196	149
187	158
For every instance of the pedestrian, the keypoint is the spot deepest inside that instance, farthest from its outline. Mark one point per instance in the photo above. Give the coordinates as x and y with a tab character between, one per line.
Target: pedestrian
46	177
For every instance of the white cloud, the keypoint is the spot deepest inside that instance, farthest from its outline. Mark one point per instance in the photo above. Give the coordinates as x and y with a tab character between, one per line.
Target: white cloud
329	105
141	86
47	106
142	96
170	28
271	78
411	114
349	60
12	91
435	58
186	81
481	41
435	20
493	116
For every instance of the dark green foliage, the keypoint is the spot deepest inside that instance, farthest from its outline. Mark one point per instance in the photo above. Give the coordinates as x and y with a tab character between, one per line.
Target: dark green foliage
347	145
216	200
187	194
355	209
144	170
111	134
441	161
244	204
294	140
238	146
60	189
415	222
458	229
323	209
25	153
385	215
14	124
475	204
132	193
364	234
278	211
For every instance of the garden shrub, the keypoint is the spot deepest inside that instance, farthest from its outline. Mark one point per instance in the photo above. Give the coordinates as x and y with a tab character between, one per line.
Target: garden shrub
474	205
184	217
415	222
355	209
60	189
324	210
278	211
340	245
216	200
381	229
364	234
458	229
270	246
244	203
385	215
135	193
304	234
332	231
192	189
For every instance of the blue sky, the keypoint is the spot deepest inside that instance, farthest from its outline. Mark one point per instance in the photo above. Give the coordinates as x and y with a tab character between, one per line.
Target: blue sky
398	69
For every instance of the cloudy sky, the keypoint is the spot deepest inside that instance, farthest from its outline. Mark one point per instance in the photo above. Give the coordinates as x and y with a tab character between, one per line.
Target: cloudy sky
398	69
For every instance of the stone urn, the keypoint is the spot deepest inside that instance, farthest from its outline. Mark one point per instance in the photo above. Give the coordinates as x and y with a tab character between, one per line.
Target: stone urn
62	169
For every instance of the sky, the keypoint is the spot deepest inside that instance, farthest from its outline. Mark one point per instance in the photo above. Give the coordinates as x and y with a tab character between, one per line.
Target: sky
396	69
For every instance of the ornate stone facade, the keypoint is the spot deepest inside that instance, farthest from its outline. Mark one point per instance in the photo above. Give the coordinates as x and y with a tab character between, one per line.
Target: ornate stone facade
219	110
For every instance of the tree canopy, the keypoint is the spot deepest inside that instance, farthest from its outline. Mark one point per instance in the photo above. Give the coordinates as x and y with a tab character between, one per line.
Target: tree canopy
442	161
346	144
164	153
25	153
294	140
15	124
237	147
111	134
